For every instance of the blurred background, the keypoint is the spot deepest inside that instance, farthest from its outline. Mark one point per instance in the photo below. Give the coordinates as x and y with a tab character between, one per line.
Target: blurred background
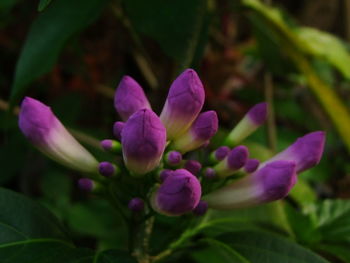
71	55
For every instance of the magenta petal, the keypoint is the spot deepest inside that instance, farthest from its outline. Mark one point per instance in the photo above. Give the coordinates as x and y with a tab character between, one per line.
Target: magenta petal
143	141
129	98
258	113
178	194
237	158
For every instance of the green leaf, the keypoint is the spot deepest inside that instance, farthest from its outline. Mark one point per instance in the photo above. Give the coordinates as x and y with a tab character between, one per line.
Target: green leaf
333	220
260	247
327	47
340	251
43	4
22	219
178	26
217	252
47	36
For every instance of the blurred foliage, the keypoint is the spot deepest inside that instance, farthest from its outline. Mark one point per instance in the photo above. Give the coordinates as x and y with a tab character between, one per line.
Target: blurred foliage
72	55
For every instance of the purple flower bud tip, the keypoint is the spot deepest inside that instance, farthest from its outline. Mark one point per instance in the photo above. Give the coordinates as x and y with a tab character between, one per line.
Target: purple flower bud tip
209	173
178	194
206	125
164	174
106	169
308	150
107	144
117	129
36	120
174	158
86	184
184	102
251	165
238	157
143	141
193	166
258	113
277	179
136	204
129	98
221	152
201	208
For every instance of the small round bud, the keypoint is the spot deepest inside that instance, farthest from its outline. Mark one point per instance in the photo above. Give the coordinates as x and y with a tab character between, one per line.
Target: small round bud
193	166
209	173
174	158
86	184
106	169
251	165
221	153
117	130
136	204
164	174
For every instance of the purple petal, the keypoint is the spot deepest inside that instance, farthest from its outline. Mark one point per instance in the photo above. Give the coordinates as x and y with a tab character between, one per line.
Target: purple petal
237	158
107	144
178	194
129	98
258	113
205	126
117	130
86	184
184	102
164	174
143	141
201	208
174	158
210	173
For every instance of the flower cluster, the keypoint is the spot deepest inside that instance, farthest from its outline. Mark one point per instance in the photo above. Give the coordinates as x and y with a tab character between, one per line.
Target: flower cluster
157	147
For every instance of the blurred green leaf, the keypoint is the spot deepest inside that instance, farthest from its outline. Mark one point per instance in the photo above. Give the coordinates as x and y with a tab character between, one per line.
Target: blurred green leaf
261	247
302	193
22	219
43	4
178	26
292	46
113	256
325	46
217	252
47	36
340	251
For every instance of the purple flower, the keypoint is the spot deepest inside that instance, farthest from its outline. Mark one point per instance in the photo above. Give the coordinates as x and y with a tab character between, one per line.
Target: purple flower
136	204
86	184
42	128
306	151
178	194
143	141
193	166
269	183
234	161
117	130
129	98
201	131
184	102
251	165
253	119
174	158
164	174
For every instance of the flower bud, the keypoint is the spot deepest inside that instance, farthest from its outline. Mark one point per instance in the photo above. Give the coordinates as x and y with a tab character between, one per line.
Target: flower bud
174	158
193	166
86	184
143	141
42	128
136	204
234	161
111	145
201	131
129	98
178	194
210	173
201	208
255	117
164	174
117	129
184	102
221	152
306	151
251	165
270	183
107	169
